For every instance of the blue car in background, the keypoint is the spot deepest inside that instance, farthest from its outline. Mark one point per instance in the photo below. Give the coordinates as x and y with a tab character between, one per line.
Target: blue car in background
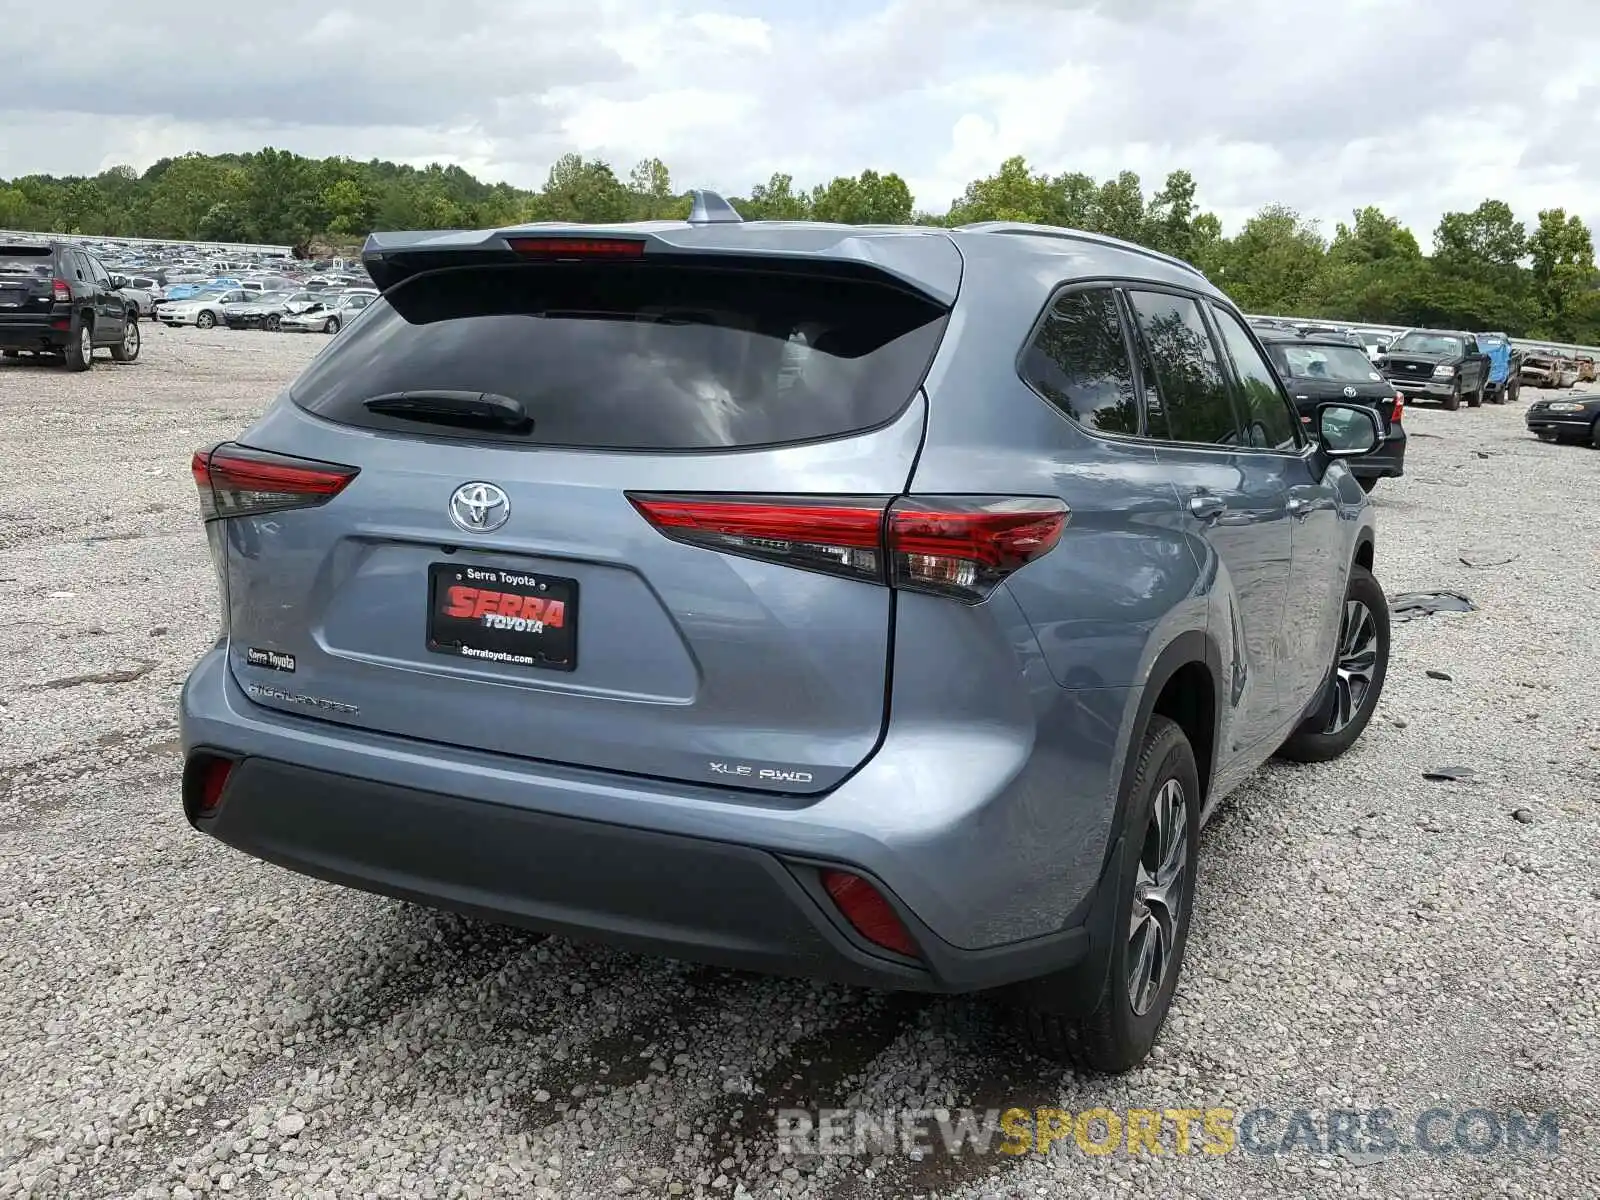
1503	368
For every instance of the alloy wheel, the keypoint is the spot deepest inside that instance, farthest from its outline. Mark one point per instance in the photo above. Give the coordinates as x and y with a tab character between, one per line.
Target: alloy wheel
86	343
1353	669
1157	915
130	339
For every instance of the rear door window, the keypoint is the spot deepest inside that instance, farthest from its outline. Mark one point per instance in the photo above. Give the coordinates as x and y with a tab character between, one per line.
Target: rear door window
1078	360
1190	401
637	356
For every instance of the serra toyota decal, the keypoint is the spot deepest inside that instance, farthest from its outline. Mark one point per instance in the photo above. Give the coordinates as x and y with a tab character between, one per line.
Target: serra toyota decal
505	610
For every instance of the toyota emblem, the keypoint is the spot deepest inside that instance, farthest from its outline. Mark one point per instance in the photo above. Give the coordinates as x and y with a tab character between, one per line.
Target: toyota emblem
1350	392
479	507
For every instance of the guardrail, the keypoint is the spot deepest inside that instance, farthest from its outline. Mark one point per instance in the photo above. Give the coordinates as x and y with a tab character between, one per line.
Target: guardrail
221	249
1391	330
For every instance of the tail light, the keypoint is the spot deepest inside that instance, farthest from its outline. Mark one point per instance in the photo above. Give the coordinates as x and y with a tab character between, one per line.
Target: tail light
205	778
570	247
868	912
959	546
1399	408
60	290
235	481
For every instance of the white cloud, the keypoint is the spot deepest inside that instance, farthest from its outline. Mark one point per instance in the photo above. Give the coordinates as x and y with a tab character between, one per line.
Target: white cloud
1324	108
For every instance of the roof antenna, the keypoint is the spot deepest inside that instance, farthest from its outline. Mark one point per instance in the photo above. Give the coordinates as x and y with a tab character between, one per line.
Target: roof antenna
709	208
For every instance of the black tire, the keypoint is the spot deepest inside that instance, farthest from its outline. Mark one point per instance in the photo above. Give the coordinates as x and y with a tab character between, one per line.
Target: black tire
1368	483
1453	400
1343	714
1594	434
1544	435
205	320
270	322
1516	391
79	352
1476	399
127	350
11	353
1114	1037
331	325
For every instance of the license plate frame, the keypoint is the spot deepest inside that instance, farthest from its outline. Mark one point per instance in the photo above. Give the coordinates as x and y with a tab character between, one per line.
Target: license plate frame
463	624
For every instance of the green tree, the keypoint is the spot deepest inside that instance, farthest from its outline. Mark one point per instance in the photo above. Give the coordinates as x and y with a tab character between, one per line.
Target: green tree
775	200
867	199
1488	236
1274	263
1563	268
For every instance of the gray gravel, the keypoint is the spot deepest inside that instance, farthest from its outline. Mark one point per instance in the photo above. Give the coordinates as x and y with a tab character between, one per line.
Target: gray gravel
178	1020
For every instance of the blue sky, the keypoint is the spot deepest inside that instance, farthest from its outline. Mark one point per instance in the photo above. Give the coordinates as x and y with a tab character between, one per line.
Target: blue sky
1418	107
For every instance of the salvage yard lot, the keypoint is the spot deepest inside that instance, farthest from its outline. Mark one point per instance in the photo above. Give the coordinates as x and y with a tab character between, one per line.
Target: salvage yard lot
176	1016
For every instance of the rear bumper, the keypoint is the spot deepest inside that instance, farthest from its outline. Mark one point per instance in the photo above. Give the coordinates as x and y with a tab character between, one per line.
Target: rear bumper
1386	462
35	333
989	895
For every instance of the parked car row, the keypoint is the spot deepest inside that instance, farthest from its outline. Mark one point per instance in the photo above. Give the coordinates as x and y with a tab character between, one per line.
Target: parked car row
300	310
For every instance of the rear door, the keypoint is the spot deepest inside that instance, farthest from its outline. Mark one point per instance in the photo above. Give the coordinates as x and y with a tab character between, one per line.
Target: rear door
1314	591
111	312
27	275
1236	498
408	605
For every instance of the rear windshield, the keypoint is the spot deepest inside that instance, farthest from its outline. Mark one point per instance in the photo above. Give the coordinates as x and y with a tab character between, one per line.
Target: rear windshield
1338	363
632	356
26	260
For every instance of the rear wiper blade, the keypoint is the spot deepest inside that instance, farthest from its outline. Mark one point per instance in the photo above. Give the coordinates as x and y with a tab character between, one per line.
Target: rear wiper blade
483	410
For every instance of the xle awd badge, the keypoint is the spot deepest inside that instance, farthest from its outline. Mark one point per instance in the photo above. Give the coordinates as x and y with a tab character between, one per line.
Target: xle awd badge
479	507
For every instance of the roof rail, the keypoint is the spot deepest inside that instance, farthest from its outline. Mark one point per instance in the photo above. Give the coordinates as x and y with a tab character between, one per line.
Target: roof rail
1078	235
709	208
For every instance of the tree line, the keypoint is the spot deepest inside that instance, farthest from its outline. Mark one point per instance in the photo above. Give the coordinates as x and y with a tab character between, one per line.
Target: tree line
1486	270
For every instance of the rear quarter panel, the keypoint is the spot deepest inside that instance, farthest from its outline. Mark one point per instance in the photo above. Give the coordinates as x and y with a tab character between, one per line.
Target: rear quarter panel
1122	584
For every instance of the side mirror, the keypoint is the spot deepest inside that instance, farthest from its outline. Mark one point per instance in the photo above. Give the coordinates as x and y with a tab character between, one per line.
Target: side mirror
1348	430
118	282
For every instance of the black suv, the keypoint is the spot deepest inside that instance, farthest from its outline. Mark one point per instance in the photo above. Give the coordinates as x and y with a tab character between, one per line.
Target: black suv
58	299
1318	368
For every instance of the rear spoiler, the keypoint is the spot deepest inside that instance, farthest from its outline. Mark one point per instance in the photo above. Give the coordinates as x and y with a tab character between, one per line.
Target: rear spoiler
923	261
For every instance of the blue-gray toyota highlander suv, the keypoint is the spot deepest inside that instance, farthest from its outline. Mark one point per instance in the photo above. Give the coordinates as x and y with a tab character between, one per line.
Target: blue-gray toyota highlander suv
888	605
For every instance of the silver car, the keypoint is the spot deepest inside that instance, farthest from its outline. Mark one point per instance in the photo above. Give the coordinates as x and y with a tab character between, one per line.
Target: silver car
889	605
330	315
203	311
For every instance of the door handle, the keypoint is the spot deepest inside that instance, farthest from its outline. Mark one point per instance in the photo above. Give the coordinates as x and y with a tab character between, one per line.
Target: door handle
1299	509
1204	506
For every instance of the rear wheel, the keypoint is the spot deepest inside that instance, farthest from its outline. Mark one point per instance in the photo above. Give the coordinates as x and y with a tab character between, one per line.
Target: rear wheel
1360	663
270	322
1476	399
11	353
80	351
204	321
127	349
1594	434
1150	920
1453	400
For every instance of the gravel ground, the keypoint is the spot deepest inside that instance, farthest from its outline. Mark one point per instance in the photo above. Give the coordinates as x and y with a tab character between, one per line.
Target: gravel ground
176	1019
